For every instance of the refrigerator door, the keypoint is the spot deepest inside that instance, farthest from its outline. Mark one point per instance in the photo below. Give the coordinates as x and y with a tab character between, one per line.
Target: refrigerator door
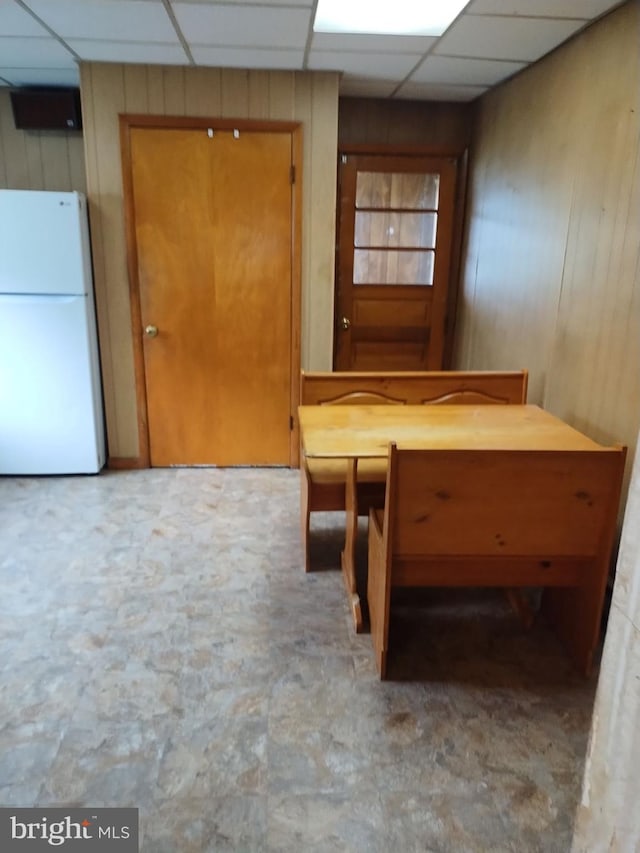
50	405
44	242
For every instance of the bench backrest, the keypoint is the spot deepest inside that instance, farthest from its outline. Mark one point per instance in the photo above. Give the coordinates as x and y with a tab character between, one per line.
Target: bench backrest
501	503
416	388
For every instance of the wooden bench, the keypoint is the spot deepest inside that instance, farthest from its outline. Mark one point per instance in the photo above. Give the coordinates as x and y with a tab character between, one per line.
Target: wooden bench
499	518
323	480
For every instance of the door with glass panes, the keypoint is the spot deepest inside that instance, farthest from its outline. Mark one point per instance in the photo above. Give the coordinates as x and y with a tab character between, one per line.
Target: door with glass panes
395	228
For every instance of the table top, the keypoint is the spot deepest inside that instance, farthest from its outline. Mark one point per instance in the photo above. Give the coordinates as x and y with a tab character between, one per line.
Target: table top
365	431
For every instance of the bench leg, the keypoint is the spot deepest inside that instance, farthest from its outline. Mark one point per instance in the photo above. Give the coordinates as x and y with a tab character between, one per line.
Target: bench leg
521	607
378	594
305	515
348	556
575	614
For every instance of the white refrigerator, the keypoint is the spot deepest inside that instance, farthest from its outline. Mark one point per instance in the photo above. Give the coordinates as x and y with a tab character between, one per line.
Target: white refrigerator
51	415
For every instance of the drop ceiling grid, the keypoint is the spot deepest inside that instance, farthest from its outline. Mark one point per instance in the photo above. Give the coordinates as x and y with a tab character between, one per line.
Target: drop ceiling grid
489	42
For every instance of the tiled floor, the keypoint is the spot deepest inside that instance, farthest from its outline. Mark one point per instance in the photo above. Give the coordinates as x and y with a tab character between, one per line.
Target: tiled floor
161	647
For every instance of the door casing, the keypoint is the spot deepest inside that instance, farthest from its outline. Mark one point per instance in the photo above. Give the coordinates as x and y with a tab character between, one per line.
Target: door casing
451	157
129	121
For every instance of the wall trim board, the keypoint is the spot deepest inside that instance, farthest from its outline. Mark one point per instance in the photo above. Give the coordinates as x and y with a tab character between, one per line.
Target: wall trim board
126	463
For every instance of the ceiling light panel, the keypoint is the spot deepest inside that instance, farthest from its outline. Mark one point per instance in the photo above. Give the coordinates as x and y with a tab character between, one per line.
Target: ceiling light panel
398	17
116	20
243	26
372	43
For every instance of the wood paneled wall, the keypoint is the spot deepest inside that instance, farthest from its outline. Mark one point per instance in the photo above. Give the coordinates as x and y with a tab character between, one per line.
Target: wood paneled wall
107	91
551	275
39	159
376	121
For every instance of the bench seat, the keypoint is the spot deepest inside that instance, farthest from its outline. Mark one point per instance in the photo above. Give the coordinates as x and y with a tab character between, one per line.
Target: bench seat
323	481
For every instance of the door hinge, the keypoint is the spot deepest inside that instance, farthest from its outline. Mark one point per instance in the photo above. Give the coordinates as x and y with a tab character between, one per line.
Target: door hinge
292	175
291	422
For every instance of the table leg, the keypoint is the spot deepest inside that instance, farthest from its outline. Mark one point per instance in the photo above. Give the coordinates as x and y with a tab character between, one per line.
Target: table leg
348	557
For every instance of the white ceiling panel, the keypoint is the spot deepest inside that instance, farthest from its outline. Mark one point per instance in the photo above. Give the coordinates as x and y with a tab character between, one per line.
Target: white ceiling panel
489	42
383	44
228	57
34	53
479	72
41	76
118	20
127	51
356	87
299	4
492	37
434	92
381	65
234	26
585	9
14	21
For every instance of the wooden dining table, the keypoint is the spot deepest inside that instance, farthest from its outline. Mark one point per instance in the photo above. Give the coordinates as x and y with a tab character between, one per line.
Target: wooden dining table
365	432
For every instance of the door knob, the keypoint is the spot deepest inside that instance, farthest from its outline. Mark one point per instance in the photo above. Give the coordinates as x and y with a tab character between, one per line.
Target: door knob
345	323
151	331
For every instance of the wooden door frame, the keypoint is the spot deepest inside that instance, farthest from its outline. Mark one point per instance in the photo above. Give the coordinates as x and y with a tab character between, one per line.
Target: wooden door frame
129	122
461	156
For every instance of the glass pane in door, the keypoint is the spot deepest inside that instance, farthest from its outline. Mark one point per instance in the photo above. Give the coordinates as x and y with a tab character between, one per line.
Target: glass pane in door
397	190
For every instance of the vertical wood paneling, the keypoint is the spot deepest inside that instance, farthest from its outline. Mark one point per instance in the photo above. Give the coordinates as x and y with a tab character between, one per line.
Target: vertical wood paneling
39	159
174	85
155	84
235	93
608	818
258	102
136	93
203	92
107	91
550	279
229	93
382	122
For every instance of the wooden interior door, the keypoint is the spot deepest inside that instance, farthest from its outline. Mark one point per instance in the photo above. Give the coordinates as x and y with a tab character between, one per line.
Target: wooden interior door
395	233
213	231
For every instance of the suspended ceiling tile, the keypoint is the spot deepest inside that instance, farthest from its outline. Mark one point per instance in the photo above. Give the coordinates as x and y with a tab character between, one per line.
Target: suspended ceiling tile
383	66
246	26
299	3
480	72
128	51
14	21
356	87
34	53
229	57
41	76
118	20
584	9
368	42
435	92
517	39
